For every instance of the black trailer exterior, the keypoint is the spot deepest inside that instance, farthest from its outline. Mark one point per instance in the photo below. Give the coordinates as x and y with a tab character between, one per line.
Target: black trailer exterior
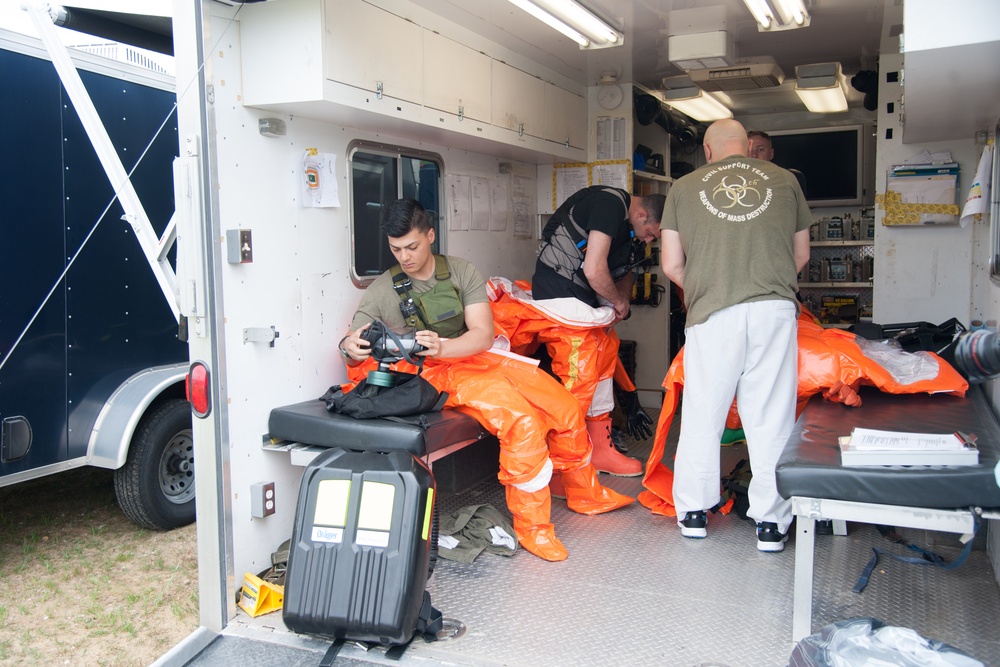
105	321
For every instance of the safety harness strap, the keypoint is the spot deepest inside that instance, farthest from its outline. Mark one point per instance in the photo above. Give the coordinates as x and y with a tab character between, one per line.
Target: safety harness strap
926	557
429	623
407	306
402	284
563	250
331	653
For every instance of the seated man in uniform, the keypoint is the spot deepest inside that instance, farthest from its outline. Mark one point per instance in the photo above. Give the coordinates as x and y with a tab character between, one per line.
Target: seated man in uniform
539	424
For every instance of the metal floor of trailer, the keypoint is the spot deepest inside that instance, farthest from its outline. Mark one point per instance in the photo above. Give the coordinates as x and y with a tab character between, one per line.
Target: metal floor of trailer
634	592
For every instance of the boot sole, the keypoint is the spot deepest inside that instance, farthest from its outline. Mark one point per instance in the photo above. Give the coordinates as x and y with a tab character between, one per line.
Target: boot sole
621	474
694	533
772	547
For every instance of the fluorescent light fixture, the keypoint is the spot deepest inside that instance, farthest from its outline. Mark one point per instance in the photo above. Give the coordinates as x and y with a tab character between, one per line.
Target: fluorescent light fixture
696	103
821	87
778	14
573	20
761	12
792	11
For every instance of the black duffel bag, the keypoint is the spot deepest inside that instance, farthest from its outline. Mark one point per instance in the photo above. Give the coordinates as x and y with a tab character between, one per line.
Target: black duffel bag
393	393
410	395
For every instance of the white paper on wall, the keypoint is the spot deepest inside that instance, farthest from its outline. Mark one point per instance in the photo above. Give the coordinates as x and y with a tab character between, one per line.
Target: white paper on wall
480	203
459	202
499	204
319	180
523	199
978	200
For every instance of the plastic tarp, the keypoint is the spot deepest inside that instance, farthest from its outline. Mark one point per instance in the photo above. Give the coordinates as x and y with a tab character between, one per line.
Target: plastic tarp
832	362
867	642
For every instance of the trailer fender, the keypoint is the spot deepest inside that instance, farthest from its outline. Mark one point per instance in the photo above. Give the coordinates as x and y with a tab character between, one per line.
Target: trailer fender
118	419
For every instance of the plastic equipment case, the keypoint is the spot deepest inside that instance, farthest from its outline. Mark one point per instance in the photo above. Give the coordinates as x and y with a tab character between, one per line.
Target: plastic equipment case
361	547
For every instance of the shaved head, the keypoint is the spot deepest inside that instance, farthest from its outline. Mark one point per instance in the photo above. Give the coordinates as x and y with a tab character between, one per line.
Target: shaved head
724	138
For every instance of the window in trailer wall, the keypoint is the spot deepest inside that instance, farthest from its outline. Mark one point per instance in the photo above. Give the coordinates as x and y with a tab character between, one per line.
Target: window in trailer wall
379	174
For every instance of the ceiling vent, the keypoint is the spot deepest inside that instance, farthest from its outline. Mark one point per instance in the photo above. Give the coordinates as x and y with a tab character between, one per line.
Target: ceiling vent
746	74
701	50
698	39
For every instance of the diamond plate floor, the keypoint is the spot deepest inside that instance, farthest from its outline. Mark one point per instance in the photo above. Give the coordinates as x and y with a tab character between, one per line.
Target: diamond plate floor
634	592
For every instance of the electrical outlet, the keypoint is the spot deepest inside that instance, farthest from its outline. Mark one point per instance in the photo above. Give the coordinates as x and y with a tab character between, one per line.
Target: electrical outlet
262	499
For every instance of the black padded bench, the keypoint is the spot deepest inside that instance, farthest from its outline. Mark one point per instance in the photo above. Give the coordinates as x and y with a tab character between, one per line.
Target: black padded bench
937	498
308	428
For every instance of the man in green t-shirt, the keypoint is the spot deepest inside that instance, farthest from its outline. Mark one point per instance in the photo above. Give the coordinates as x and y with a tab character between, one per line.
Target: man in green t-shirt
538	422
735	235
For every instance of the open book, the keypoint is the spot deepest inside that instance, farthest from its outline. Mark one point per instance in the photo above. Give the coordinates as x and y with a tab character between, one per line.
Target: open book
872	447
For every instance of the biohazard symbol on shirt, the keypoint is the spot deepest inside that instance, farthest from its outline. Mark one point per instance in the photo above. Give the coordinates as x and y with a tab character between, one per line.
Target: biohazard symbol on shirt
735	193
736	190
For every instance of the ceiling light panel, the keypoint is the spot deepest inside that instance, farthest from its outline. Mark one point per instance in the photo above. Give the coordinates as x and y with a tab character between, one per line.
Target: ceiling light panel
693	102
575	21
821	87
775	15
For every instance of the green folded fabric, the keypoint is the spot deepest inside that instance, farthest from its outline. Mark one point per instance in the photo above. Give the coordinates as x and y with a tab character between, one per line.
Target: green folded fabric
477	528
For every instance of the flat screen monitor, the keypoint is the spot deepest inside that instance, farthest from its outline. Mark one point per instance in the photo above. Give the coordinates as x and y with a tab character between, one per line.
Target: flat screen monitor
830	158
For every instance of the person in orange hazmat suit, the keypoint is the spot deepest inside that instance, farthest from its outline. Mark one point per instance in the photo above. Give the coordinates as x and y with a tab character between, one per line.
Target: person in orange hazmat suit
586	361
539	424
589	248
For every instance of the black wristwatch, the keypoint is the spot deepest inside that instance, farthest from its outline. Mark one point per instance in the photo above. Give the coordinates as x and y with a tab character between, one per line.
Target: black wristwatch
343	352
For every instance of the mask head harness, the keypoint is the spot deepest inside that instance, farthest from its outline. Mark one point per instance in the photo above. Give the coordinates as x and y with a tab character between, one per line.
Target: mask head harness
387	348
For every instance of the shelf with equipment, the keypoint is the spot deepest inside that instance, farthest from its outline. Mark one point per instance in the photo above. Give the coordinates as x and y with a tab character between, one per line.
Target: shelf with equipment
839	244
648	183
836	285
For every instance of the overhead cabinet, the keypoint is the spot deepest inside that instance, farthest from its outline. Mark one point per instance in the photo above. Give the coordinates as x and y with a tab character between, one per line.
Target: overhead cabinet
564	122
518	100
337	57
456	78
374	50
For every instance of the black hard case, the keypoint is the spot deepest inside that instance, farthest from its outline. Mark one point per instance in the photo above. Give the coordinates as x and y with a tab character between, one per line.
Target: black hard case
357	591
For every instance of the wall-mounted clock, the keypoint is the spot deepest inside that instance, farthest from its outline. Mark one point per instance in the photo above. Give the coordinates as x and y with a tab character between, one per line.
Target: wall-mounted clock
610	96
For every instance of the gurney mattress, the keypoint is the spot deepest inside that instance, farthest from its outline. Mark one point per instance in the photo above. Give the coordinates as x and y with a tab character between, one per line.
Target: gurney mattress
810	463
311	423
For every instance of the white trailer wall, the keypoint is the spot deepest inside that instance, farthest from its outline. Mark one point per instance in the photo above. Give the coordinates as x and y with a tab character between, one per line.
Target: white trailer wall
945	95
299	280
950	83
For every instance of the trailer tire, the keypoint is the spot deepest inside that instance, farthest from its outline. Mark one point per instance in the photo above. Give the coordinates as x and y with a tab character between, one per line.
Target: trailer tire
155	487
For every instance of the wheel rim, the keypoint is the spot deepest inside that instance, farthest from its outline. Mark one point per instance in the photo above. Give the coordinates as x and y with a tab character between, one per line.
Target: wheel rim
177	469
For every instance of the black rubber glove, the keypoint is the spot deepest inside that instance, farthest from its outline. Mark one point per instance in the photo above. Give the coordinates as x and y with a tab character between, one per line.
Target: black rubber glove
637	422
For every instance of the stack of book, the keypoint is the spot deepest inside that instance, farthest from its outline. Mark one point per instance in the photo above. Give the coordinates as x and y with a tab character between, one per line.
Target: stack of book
870	447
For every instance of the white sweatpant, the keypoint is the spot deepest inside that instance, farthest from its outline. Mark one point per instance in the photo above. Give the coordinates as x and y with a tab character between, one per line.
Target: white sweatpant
749	350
